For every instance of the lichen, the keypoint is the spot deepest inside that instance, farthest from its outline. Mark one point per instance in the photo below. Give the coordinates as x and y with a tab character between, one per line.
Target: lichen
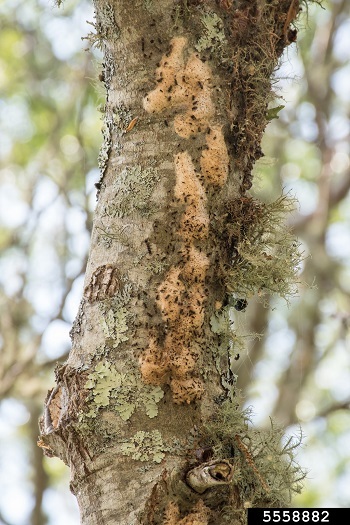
114	325
268	473
122	391
103	155
121	117
262	255
145	446
114	316
105	27
214	34
134	188
227	349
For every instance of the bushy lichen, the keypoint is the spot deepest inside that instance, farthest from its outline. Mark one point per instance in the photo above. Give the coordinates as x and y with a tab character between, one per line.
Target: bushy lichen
105	26
262	255
122	391
145	446
268	472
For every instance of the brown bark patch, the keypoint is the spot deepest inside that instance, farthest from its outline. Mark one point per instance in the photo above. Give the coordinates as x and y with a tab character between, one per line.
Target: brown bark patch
105	282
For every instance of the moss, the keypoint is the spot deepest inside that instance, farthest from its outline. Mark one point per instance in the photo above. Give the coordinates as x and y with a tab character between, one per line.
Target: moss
145	446
122	391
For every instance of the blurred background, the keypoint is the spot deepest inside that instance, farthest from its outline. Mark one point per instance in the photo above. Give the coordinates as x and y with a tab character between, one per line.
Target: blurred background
298	371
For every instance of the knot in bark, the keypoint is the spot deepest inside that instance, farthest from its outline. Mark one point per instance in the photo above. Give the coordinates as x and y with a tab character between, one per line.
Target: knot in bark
210	475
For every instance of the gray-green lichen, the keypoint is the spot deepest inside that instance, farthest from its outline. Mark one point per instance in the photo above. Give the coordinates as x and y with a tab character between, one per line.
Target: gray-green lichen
145	446
105	26
267	256
105	149
148	5
121	117
114	316
122	391
114	325
221	323
213	37
134	188
269	474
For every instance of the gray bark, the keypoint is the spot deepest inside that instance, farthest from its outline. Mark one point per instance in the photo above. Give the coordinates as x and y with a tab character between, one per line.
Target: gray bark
187	88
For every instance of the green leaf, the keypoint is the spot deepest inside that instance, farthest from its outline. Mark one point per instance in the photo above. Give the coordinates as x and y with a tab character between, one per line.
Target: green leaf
273	112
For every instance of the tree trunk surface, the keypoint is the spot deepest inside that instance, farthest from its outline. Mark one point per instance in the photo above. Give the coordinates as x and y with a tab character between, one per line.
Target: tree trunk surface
144	411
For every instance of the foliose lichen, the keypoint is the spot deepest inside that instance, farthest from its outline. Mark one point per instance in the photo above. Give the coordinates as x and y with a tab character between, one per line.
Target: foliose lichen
122	115
103	155
213	37
114	325
122	391
134	189
114	316
145	446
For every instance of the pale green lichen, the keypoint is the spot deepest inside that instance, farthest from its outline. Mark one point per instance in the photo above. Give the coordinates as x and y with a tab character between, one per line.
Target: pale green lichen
214	35
121	117
134	188
157	266
148	4
114	318
114	326
103	155
267	257
105	26
221	323
145	446
122	391
120	234
269	474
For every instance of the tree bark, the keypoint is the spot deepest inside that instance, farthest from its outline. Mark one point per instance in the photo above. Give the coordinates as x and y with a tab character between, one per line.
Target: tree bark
144	411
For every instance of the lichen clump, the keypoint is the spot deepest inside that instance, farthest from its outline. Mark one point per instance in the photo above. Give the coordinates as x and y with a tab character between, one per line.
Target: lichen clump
266	473
262	256
145	446
121	391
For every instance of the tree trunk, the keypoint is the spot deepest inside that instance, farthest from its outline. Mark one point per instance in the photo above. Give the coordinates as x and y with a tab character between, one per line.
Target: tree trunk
144	411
